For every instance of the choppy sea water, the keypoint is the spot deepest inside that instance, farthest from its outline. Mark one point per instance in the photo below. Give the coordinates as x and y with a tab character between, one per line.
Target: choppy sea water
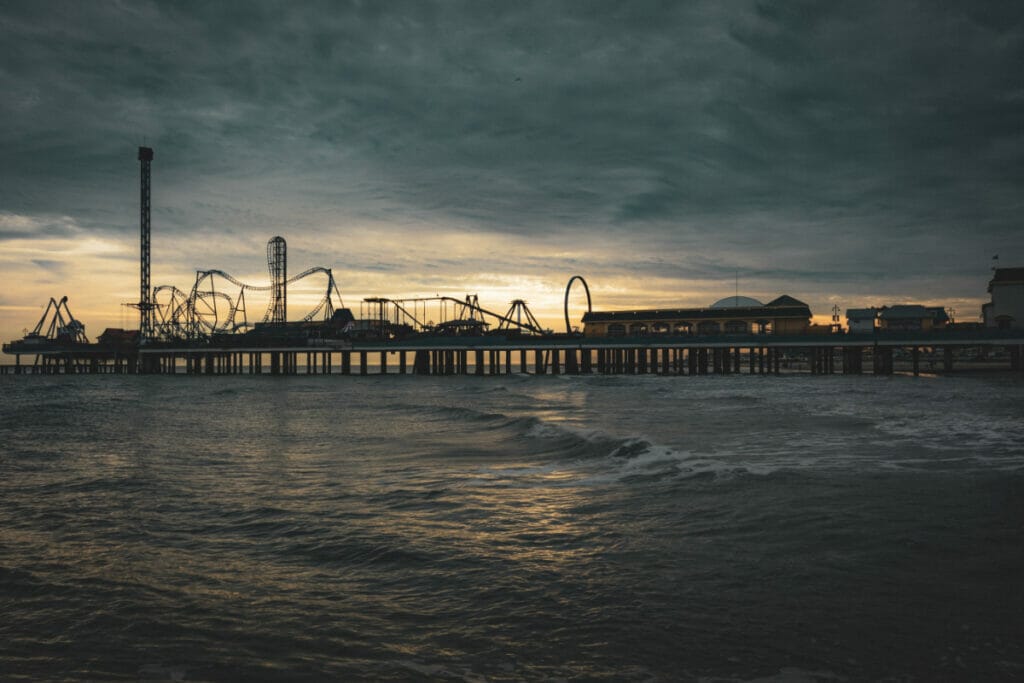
513	528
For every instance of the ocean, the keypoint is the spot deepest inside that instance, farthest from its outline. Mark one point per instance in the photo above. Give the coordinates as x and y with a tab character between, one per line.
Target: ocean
551	528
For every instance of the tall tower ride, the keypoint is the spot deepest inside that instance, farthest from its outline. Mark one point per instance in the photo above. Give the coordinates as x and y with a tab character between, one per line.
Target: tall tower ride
145	302
277	262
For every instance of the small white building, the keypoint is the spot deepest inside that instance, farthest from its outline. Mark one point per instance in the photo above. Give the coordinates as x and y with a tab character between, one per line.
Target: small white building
912	318
1006	309
861	319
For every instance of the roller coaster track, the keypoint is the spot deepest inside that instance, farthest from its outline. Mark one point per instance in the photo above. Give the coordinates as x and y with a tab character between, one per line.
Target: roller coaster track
470	309
197	314
266	288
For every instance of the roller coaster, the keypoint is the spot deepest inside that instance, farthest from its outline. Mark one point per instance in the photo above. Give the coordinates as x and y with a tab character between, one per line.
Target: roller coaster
216	304
461	317
211	307
456	317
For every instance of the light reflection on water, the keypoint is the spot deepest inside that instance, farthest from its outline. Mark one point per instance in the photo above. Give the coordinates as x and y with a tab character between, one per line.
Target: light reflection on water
510	528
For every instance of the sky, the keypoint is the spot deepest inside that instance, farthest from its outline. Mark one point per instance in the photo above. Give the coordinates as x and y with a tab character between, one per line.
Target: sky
672	153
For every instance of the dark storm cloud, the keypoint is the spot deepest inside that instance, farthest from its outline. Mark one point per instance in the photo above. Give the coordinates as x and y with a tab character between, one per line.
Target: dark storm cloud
807	140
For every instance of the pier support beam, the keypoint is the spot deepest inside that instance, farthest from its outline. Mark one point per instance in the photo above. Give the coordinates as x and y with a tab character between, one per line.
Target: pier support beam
1015	357
572	365
421	362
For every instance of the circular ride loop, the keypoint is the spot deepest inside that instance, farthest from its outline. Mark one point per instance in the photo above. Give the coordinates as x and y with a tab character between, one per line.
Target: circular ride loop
568	287
213	310
173	318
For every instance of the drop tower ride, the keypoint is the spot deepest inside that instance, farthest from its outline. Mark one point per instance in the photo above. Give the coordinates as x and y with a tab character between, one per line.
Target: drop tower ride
145	304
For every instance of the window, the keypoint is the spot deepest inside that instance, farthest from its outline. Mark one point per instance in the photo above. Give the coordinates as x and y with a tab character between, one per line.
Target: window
708	327
616	330
736	327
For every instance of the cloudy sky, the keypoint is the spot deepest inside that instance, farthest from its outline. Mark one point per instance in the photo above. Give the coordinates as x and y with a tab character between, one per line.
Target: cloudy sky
851	153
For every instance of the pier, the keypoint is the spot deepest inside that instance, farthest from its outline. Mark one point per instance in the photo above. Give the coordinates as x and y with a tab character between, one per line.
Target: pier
206	330
847	354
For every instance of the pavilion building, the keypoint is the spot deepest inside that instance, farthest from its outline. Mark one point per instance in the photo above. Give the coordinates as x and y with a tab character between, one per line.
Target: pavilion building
731	315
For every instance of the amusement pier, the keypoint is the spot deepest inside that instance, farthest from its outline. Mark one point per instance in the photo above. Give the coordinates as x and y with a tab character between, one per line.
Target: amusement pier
558	354
205	330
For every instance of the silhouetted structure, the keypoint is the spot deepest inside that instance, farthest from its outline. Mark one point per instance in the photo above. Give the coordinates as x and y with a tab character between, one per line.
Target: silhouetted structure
731	315
568	289
277	263
145	304
912	317
1006	309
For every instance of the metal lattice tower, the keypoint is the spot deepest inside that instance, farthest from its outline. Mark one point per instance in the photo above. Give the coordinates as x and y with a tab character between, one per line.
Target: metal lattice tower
145	302
277	262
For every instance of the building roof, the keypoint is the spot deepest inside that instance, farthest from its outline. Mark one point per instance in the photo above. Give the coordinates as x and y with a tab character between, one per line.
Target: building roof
913	311
687	314
861	313
787	300
1006	276
736	302
112	333
782	307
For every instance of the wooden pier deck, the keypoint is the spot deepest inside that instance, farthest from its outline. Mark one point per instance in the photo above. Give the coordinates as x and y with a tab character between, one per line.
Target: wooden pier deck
495	355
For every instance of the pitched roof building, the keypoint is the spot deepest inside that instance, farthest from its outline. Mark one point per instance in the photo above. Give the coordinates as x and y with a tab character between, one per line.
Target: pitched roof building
861	319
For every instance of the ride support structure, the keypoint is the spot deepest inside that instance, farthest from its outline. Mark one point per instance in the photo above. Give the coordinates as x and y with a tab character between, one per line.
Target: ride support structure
145	303
62	327
277	264
217	302
453	317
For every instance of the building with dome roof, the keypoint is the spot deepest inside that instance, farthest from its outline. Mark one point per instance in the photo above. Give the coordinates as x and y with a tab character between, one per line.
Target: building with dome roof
736	302
731	315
